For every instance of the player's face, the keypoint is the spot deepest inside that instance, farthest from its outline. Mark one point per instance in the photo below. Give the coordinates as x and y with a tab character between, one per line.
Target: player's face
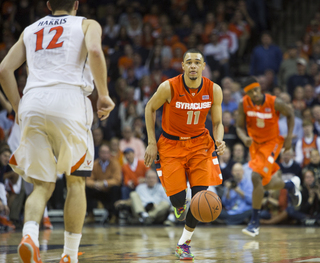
255	94
193	65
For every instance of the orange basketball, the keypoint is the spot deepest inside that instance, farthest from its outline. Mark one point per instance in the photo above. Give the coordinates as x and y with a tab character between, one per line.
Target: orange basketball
206	206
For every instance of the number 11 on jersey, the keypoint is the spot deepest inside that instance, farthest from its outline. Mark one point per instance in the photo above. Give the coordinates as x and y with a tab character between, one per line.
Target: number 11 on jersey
190	117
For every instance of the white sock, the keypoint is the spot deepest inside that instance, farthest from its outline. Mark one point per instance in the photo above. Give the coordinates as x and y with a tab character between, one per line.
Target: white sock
31	228
71	245
186	235
45	214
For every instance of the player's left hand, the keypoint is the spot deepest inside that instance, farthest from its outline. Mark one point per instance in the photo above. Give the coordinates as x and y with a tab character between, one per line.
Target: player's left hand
287	144
221	146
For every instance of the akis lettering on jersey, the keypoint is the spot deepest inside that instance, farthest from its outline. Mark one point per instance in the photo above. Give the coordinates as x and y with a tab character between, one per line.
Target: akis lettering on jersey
53	22
259	115
193	106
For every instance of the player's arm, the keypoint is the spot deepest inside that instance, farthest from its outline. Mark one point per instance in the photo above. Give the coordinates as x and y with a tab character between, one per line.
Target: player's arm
162	95
216	115
12	61
92	31
240	126
285	110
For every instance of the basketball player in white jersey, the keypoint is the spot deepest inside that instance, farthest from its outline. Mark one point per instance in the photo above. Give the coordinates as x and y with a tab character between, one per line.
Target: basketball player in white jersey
55	116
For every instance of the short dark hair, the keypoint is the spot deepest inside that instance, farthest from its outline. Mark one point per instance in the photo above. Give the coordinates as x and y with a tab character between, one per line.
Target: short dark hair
249	81
66	5
192	50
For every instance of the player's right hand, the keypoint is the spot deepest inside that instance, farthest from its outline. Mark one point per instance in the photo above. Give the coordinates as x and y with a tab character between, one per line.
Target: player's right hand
248	141
105	105
151	154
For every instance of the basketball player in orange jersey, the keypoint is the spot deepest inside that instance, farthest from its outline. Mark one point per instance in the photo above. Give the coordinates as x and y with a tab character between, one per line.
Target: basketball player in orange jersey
185	146
259	113
64	56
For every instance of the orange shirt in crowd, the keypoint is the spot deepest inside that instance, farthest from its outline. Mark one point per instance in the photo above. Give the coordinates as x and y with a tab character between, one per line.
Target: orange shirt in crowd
129	175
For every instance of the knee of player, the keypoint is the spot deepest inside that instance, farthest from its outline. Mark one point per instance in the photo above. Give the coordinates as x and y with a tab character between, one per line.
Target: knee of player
178	200
75	182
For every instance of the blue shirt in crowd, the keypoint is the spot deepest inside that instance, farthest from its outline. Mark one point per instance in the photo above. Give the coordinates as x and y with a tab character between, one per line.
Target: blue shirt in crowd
236	204
263	59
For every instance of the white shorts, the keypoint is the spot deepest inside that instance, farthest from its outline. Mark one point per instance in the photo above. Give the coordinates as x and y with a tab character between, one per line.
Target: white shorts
56	134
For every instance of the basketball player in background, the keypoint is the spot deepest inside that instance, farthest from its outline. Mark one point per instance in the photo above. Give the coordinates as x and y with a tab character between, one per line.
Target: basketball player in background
63	53
185	146
259	114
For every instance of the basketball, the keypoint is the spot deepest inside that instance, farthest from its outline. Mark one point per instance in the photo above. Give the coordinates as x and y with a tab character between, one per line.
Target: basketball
206	206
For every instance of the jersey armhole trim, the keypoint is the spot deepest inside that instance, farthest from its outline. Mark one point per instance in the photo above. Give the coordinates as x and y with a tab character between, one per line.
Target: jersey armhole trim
172	91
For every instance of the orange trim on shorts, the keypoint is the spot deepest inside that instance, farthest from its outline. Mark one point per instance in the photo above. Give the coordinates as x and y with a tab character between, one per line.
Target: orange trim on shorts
251	86
13	160
78	164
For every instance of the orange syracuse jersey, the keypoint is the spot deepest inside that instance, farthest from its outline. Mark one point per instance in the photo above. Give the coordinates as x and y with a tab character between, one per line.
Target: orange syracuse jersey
186	114
262	120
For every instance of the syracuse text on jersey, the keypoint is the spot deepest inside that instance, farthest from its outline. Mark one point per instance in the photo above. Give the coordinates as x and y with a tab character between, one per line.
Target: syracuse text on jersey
193	106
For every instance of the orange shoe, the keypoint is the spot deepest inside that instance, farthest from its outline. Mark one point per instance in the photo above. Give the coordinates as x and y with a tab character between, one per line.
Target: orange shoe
28	252
65	259
46	223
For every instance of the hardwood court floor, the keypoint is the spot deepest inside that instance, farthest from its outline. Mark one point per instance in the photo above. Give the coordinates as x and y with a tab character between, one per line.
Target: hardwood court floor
157	244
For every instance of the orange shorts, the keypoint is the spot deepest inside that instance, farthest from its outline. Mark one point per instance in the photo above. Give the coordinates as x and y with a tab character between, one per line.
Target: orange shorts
264	156
190	159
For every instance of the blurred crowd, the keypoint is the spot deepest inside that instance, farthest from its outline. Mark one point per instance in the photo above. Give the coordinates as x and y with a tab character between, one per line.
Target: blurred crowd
143	42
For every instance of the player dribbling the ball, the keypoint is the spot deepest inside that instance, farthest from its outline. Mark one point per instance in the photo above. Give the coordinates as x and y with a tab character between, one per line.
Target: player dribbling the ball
185	146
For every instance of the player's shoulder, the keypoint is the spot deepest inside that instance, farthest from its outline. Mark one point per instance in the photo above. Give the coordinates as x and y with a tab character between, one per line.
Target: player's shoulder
91	22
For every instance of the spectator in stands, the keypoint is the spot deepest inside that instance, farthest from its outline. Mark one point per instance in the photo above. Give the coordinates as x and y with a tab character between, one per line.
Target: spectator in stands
134	27
265	56
230	135
316	116
315	56
115	151
309	95
126	61
316	100
123	39
103	184
228	83
129	109
228	37
129	141
133	173
288	66
305	145
149	201
274	205
12	198
314	32
140	70
289	167
298	100
227	103
237	197
167	69
238	153
309	210
184	28
242	30
314	164
97	135
226	164
217	54
299	79
139	129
